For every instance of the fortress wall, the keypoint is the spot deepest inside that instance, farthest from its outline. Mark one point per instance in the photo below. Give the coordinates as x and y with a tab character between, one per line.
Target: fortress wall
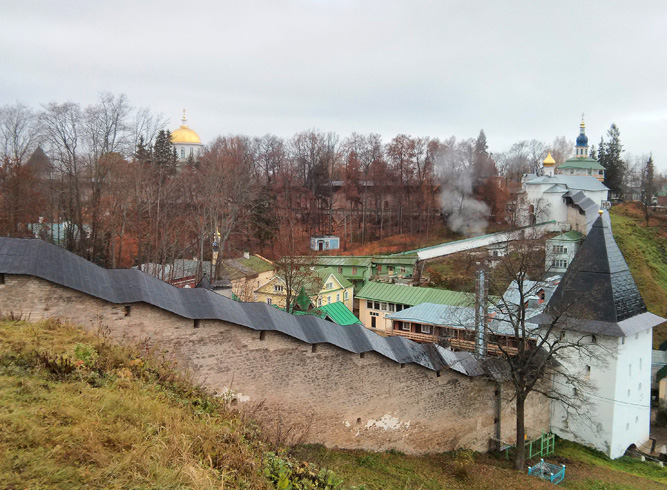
297	392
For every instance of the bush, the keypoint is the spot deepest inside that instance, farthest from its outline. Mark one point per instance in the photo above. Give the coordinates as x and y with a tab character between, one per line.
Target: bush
287	475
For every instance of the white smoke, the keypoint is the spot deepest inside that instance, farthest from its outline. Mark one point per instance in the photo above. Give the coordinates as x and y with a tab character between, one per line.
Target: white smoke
462	212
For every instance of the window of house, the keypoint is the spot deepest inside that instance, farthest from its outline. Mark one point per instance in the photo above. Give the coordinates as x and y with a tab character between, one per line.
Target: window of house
128	310
2	278
197	323
340	269
397	325
269	301
319	301
383	306
346	295
405	326
354	271
329	285
337	297
622	340
390	268
329	299
369	304
399	307
182	152
426	329
379	267
403	269
278	288
391	307
376	305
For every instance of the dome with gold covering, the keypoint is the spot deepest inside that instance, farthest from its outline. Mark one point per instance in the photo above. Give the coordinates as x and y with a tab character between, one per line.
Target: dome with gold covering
184	134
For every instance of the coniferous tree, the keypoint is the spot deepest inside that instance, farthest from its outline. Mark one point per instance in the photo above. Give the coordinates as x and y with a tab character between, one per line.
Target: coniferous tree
648	187
609	156
164	153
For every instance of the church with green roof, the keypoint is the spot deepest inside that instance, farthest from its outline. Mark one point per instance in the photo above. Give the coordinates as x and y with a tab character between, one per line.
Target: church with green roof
582	163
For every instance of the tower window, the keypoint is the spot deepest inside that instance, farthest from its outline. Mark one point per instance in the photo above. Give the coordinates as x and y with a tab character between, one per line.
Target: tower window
128	310
2	278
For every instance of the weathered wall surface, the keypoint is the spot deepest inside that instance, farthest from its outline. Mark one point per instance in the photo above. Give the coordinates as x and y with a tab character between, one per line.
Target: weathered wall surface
297	391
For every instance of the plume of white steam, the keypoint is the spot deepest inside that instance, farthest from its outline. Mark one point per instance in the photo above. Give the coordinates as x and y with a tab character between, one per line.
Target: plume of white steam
462	212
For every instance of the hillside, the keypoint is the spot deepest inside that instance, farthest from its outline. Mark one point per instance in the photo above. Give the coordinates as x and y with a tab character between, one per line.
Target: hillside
645	250
77	411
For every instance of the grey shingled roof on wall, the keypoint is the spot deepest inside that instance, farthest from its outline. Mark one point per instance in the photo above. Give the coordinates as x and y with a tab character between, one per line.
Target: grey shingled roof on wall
40	259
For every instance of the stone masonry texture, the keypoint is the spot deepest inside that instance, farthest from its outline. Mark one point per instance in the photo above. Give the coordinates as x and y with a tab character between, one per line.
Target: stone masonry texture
298	392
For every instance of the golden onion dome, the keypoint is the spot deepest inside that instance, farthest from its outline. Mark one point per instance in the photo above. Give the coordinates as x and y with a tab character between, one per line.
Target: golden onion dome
185	134
549	160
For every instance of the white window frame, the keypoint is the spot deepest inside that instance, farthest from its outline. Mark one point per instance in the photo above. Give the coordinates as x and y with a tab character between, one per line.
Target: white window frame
426	329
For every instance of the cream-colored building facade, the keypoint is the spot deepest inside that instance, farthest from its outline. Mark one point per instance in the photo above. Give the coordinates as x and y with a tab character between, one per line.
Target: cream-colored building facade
330	288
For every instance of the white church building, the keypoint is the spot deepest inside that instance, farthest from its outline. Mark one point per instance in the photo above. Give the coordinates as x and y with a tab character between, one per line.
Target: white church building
571	200
598	305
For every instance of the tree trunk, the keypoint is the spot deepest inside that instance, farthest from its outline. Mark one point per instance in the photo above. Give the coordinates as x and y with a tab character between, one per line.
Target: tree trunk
520	455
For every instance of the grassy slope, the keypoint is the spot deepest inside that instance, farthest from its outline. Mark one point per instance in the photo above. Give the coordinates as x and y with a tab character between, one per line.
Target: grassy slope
120	424
121	421
586	469
645	250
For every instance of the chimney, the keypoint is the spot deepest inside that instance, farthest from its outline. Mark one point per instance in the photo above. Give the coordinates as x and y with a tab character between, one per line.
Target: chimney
481	313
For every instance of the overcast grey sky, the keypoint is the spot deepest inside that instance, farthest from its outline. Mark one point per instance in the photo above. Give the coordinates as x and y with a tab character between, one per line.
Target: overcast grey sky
519	70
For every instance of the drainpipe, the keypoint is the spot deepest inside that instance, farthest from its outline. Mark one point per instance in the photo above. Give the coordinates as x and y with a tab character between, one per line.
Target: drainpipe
480	312
499	396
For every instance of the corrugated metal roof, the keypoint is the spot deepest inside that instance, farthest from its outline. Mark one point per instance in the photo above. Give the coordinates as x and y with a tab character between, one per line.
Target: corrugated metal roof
358	261
40	259
339	313
585	163
257	264
408	295
409	259
573	182
570	236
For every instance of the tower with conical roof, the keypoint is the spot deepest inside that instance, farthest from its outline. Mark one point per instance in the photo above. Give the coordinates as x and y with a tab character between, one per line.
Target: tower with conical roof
597	304
186	142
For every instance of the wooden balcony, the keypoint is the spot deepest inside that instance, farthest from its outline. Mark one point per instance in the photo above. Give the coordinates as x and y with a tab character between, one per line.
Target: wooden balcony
456	344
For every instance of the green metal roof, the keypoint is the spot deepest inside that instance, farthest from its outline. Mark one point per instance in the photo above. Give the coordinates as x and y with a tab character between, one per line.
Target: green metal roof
339	313
396	259
585	163
346	260
570	236
257	264
324	275
408	295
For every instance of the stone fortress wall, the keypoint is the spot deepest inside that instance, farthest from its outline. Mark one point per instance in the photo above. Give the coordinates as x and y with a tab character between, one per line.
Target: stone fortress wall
298	392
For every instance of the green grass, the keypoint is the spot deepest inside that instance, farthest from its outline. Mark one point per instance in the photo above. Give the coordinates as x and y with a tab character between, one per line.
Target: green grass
586	469
645	251
77	411
113	420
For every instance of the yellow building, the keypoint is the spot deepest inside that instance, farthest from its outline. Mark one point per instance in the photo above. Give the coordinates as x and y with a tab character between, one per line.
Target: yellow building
326	287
